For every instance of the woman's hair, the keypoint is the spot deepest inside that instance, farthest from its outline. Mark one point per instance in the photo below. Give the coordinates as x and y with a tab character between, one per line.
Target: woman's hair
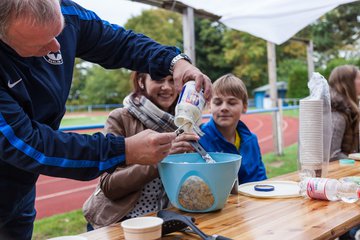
36	12
135	77
228	85
138	90
342	81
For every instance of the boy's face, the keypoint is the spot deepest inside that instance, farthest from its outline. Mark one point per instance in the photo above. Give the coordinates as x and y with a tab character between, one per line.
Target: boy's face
226	110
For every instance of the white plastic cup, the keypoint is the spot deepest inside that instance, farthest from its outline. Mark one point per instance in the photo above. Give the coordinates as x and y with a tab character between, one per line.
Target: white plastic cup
311	137
141	228
189	106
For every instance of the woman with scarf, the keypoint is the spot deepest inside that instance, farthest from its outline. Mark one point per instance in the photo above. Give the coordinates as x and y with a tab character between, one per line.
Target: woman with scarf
344	84
136	190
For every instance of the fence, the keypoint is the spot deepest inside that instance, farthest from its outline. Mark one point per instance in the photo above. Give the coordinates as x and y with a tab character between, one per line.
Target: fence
90	108
205	116
108	107
277	124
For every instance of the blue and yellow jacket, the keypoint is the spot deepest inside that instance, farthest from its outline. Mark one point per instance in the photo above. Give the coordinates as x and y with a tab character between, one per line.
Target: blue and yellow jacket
252	168
33	93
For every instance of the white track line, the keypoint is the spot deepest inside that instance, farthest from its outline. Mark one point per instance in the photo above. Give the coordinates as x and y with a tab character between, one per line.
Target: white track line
264	139
50	181
65	192
260	125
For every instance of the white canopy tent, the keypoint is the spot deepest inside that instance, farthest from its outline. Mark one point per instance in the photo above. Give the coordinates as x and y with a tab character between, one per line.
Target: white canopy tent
273	20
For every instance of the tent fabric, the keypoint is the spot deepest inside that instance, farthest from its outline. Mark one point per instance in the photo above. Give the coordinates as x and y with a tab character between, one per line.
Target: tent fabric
273	20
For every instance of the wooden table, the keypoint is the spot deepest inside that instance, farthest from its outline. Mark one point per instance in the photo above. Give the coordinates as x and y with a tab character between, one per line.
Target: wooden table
250	218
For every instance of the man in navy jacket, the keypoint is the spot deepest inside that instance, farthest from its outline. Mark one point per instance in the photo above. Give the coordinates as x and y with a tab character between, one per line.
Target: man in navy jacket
39	41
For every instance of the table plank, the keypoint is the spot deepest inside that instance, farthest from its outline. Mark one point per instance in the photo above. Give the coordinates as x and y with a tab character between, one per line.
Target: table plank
251	218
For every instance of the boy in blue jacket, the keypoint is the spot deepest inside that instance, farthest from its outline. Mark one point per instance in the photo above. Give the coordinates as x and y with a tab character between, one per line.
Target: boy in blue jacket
226	133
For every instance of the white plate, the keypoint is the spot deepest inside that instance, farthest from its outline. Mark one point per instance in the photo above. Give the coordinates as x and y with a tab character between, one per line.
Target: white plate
283	189
68	238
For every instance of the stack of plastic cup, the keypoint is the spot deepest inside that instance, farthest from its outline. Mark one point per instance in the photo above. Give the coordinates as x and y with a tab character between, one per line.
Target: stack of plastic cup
311	137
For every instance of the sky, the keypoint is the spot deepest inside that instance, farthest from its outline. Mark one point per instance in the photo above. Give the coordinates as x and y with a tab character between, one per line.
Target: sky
114	11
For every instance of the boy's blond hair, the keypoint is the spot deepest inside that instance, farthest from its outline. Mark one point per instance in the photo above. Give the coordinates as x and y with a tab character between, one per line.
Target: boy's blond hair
229	84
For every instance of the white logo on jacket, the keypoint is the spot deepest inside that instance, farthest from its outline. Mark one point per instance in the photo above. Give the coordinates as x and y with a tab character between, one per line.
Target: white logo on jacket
11	85
54	58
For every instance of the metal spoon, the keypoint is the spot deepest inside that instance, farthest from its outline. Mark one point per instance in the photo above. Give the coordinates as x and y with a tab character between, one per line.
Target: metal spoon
202	152
196	145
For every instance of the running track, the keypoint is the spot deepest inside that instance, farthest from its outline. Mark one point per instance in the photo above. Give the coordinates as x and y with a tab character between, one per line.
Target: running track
58	195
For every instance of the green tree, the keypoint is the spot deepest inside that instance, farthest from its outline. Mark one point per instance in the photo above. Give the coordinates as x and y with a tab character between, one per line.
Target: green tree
335	33
287	66
210	54
166	28
78	83
298	79
161	25
337	29
290	56
106	86
333	63
247	55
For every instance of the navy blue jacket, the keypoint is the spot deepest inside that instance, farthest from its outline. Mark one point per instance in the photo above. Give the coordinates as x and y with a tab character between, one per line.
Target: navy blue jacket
252	168
33	93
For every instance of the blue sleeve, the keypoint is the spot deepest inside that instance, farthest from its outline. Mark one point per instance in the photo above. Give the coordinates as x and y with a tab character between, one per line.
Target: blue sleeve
37	148
112	46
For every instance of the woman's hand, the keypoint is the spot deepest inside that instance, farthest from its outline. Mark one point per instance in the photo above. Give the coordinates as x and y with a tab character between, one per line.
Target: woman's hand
181	143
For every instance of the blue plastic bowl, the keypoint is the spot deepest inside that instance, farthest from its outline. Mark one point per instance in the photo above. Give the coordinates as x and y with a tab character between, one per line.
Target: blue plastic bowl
193	185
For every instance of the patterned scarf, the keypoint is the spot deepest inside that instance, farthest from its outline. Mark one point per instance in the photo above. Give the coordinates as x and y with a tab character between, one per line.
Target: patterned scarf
149	114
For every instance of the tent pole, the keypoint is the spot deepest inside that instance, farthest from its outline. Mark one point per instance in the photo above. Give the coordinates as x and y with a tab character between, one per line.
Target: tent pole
309	53
310	58
189	33
271	56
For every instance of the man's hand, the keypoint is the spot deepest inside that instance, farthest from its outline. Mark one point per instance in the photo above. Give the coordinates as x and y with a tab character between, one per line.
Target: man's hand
181	143
184	71
148	147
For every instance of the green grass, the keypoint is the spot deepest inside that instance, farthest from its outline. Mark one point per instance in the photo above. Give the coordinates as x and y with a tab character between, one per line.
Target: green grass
287	113
291	113
279	165
70	223
82	120
73	223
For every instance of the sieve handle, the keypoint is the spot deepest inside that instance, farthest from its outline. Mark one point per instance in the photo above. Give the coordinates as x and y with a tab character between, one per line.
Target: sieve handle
202	152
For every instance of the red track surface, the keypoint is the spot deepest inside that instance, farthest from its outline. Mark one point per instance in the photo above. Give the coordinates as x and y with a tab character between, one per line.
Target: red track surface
58	195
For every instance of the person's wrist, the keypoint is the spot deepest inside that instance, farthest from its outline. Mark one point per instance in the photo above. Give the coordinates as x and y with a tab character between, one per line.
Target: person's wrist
181	56
127	151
